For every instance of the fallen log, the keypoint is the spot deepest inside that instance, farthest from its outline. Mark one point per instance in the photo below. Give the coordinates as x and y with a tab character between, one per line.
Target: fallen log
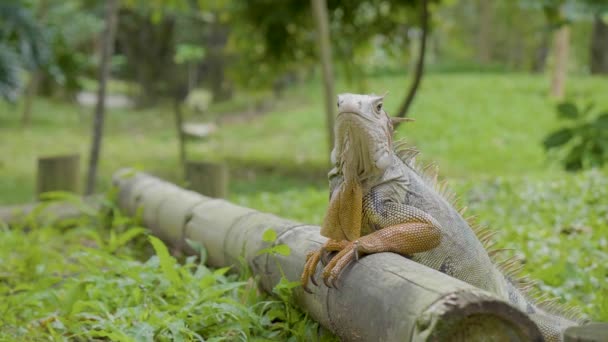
382	297
47	212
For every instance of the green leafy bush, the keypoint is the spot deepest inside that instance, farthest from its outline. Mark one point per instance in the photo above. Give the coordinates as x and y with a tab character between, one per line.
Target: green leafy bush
583	143
96	277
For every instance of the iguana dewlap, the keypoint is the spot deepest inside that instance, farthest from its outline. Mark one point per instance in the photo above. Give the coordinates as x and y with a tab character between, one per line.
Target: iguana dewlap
380	202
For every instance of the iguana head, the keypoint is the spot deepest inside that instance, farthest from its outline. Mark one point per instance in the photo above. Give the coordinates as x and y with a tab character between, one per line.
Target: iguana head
363	139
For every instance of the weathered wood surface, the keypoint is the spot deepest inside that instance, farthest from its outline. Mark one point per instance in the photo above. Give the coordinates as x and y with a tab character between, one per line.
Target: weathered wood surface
382	297
209	179
58	173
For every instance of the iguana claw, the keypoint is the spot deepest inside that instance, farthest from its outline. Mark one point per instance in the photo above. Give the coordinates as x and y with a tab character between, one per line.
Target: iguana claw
313	258
338	263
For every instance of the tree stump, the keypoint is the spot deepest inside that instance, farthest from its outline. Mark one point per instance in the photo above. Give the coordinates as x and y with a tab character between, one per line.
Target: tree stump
209	179
58	173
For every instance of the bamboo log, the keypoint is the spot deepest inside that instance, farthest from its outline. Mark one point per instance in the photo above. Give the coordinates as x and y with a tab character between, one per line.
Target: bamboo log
209	179
59	173
382	297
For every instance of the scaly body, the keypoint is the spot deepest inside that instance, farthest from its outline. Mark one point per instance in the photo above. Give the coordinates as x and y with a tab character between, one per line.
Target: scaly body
380	202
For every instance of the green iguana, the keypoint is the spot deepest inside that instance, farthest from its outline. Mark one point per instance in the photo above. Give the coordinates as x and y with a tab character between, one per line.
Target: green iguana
380	202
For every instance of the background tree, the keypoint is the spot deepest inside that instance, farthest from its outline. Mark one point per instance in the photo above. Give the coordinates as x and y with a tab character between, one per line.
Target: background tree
319	8
23	46
107	49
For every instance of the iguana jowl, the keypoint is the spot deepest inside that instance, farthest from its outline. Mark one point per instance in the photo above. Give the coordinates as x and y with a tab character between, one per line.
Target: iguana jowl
380	202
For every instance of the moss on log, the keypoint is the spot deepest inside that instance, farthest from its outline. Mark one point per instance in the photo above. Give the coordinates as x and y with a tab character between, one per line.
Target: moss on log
382	297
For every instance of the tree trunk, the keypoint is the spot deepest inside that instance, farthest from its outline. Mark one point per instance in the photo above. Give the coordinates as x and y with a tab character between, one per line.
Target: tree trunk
484	34
382	297
599	47
561	45
30	95
216	61
319	10
424	18
104	71
181	137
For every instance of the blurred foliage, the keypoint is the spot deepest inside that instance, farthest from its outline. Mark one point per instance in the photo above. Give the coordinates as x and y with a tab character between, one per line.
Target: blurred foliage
96	277
24	44
71	26
583	143
254	44
284	36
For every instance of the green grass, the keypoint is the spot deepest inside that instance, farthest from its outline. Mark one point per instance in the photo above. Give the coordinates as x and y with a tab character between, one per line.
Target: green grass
101	277
472	125
483	130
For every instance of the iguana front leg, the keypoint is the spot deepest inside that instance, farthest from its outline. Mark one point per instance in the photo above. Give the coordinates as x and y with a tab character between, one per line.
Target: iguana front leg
342	224
403	229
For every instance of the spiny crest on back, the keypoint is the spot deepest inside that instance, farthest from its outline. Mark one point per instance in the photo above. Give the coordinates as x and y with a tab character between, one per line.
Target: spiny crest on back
511	266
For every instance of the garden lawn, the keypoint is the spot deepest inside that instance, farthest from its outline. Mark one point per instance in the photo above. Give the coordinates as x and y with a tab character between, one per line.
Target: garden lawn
483	130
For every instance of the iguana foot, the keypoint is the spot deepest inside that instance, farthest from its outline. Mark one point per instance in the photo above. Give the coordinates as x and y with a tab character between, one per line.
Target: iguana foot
405	238
313	257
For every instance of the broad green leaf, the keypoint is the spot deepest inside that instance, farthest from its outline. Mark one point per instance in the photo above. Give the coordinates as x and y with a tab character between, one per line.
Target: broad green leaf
72	296
270	235
558	138
167	262
602	121
128	235
199	248
567	110
282	250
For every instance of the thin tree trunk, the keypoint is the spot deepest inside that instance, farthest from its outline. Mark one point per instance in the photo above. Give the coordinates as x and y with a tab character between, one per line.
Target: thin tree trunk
30	94
424	17
104	71
599	47
177	110
560	67
484	35
319	9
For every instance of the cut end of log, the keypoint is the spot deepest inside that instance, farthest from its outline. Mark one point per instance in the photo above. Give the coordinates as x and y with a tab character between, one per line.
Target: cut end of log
473	315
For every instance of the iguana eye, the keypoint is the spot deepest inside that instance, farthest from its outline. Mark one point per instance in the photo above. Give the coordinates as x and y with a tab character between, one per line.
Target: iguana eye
379	107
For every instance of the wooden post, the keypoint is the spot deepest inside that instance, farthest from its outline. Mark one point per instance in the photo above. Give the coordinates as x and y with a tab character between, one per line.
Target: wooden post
59	173
210	179
382	297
